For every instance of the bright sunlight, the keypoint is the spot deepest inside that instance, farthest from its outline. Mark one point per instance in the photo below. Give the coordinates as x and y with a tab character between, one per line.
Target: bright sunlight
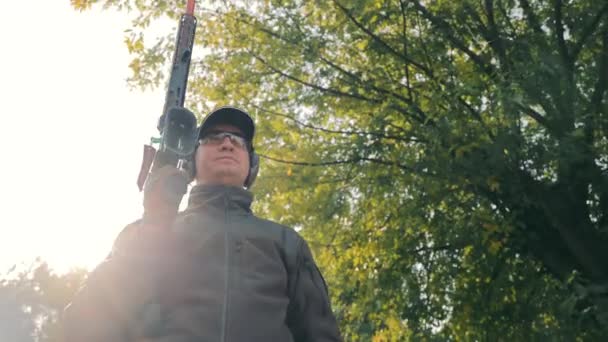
72	133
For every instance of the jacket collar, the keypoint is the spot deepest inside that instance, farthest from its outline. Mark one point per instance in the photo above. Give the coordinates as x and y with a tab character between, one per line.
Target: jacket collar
221	197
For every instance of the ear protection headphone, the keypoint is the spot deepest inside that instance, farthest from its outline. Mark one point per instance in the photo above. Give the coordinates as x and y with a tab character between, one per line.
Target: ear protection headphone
254	167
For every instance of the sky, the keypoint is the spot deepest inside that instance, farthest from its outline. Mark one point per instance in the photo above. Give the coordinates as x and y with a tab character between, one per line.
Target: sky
72	133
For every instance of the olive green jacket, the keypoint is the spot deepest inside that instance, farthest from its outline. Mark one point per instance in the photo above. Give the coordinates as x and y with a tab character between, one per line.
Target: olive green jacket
218	274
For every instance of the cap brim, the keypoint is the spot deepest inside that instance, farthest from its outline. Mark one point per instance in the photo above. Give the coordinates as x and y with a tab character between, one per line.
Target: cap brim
232	116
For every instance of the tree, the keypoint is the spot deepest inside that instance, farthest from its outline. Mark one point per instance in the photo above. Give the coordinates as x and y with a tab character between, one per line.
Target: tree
32	301
447	160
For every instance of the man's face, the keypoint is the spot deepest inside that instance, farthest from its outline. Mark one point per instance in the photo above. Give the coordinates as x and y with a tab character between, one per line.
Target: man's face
222	162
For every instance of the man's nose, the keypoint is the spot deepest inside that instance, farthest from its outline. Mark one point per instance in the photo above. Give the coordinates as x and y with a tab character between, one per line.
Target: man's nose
227	144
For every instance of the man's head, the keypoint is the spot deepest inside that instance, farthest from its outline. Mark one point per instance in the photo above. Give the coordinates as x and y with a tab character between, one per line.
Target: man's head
225	152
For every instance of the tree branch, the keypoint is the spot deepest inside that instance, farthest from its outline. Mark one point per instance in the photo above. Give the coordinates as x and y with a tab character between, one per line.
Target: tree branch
588	32
599	90
422	43
446	29
507	17
535	115
310	85
379	40
494	39
560	214
345	161
559	34
421	115
476	115
331	131
294	162
407	68
532	19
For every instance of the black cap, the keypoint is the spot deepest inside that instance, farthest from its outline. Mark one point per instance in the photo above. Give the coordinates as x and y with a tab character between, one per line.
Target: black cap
229	115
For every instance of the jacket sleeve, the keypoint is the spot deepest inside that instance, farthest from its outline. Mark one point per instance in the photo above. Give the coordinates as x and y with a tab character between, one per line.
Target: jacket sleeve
103	309
310	317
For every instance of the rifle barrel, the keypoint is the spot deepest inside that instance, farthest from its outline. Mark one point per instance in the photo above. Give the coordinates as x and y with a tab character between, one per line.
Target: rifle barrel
190	7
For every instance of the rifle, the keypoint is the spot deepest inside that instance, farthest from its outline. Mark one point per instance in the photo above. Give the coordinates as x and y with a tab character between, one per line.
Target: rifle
176	125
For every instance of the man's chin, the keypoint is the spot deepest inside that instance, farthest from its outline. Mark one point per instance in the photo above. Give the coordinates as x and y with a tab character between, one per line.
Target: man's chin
226	176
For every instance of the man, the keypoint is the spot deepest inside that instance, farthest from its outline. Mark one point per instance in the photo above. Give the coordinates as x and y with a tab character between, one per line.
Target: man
214	272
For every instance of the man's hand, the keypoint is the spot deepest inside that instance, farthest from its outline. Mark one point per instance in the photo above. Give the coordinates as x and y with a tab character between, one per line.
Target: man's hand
163	193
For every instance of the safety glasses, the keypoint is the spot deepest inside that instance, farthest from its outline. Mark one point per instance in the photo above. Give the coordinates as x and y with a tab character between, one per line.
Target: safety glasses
216	138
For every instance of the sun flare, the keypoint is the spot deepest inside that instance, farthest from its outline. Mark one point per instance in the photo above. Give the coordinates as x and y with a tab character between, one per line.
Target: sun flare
75	134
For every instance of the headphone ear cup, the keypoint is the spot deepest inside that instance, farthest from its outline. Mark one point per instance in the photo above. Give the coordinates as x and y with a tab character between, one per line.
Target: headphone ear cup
254	167
192	164
192	169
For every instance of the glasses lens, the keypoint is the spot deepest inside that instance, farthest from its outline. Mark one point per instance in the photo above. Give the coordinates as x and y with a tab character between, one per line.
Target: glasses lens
218	138
235	139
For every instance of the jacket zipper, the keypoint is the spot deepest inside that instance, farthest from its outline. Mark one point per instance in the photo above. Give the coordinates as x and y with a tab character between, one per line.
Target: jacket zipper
227	246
